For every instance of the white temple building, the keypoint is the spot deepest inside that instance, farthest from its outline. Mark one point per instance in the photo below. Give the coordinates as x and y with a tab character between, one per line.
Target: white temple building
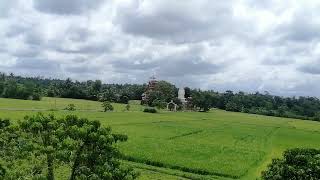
181	94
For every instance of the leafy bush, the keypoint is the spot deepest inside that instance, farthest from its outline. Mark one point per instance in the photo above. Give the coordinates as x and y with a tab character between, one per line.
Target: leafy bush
107	106
71	107
2	171
128	107
296	164
159	104
44	141
231	106
4	123
36	97
150	110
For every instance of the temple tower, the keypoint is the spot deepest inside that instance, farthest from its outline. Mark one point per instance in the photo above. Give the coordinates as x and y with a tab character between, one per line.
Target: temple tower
151	87
181	95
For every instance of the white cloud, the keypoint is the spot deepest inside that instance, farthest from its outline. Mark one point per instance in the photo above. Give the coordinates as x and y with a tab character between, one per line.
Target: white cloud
246	45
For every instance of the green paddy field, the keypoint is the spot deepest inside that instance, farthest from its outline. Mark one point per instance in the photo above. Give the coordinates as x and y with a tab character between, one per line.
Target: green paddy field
185	145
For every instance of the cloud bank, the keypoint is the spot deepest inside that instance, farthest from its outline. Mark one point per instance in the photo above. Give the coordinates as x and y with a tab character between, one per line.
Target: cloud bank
238	44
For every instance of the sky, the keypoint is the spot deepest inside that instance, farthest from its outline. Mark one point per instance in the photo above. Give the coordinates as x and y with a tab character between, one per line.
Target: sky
239	45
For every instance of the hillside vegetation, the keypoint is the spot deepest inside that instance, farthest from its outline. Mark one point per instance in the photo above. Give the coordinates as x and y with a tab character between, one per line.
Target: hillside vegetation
217	144
17	87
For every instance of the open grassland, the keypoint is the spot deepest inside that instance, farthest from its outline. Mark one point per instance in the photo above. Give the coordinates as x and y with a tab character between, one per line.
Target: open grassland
61	103
187	145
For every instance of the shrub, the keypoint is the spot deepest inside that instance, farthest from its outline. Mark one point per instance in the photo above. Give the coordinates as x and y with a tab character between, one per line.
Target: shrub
231	106
2	171
36	97
107	106
150	110
296	164
159	104
128	107
71	107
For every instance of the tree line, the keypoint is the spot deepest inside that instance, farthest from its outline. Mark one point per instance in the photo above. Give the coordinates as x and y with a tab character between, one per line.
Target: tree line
95	90
12	86
257	103
33	88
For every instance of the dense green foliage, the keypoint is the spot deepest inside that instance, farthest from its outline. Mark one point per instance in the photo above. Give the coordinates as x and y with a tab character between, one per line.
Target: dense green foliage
150	110
2	171
71	107
257	103
87	147
31	87
107	106
10	87
3	128
302	164
15	151
163	93
202	100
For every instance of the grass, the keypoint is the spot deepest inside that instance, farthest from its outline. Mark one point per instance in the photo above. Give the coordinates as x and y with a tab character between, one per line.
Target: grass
214	145
48	103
